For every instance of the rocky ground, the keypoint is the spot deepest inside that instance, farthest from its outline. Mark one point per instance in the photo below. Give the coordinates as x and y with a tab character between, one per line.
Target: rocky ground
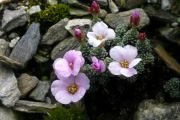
29	44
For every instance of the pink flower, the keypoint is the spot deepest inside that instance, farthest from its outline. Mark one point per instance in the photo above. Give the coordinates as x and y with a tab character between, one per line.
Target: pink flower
100	33
71	89
79	34
125	60
98	65
135	18
70	64
94	9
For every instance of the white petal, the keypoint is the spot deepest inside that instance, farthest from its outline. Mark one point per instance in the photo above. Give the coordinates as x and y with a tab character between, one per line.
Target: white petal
128	72
63	97
82	80
134	62
91	34
130	52
78	95
94	42
116	53
56	86
114	68
110	34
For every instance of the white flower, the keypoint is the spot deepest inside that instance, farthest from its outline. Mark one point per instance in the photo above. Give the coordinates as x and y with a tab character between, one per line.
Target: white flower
100	33
125	60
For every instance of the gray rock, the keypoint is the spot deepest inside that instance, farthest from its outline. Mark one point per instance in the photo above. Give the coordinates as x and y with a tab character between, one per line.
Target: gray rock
26	83
130	4
152	1
33	107
160	15
52	2
78	12
27	45
75	3
14	41
61	48
165	5
123	18
113	7
86	23
13	18
8	114
1	33
55	33
34	9
103	2
40	91
150	110
4	45
41	59
13	35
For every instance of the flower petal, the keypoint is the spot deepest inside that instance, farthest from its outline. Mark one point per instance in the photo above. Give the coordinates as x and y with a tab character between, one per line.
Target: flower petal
110	34
82	80
63	97
128	72
134	62
61	68
77	66
114	68
99	28
56	86
103	66
94	42
130	52
116	53
94	59
78	95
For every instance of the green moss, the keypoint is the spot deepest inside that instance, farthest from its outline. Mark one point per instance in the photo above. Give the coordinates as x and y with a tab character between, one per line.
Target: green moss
172	87
62	113
52	14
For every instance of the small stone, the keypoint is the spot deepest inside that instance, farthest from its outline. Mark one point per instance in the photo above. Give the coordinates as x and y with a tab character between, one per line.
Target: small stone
13	42
13	35
1	33
113	7
102	2
78	12
76	3
4	45
86	23
55	33
8	114
34	9
130	4
102	13
10	17
165	5
61	48
174	24
178	20
40	91
26	83
123	18
33	107
27	45
152	110
41	59
52	2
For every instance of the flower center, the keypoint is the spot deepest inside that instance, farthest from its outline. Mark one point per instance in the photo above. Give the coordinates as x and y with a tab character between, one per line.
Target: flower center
100	37
124	64
73	88
71	65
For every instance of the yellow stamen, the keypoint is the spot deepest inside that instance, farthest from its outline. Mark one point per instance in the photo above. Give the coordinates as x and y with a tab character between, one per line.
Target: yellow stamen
124	64
100	37
73	88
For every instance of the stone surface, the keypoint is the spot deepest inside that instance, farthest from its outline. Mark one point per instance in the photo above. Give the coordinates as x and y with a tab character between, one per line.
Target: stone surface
75	3
103	2
86	23
10	17
13	35
4	45
40	91
1	33
123	18
130	4
55	33
150	110
52	2
113	7
9	92
160	15
33	107
27	45
165	5
61	48
78	12
7	114
26	83
13	42
34	9
152	1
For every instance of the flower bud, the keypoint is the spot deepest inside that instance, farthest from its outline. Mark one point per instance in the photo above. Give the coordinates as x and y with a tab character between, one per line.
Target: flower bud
95	8
142	36
78	33
135	18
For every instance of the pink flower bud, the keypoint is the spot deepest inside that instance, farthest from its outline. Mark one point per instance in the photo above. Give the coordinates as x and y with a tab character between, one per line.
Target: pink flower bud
78	33
142	36
135	18
95	8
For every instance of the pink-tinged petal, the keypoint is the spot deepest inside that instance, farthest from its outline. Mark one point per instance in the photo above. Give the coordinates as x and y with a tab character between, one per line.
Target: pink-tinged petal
116	53
69	81
77	66
61	67
130	52
99	28
114	68
56	86
103	66
134	62
94	42
91	34
94	59
128	72
78	95
110	34
71	55
82	80
63	97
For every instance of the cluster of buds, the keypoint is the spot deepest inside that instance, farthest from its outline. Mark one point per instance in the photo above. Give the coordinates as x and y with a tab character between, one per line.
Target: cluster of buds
135	18
95	8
